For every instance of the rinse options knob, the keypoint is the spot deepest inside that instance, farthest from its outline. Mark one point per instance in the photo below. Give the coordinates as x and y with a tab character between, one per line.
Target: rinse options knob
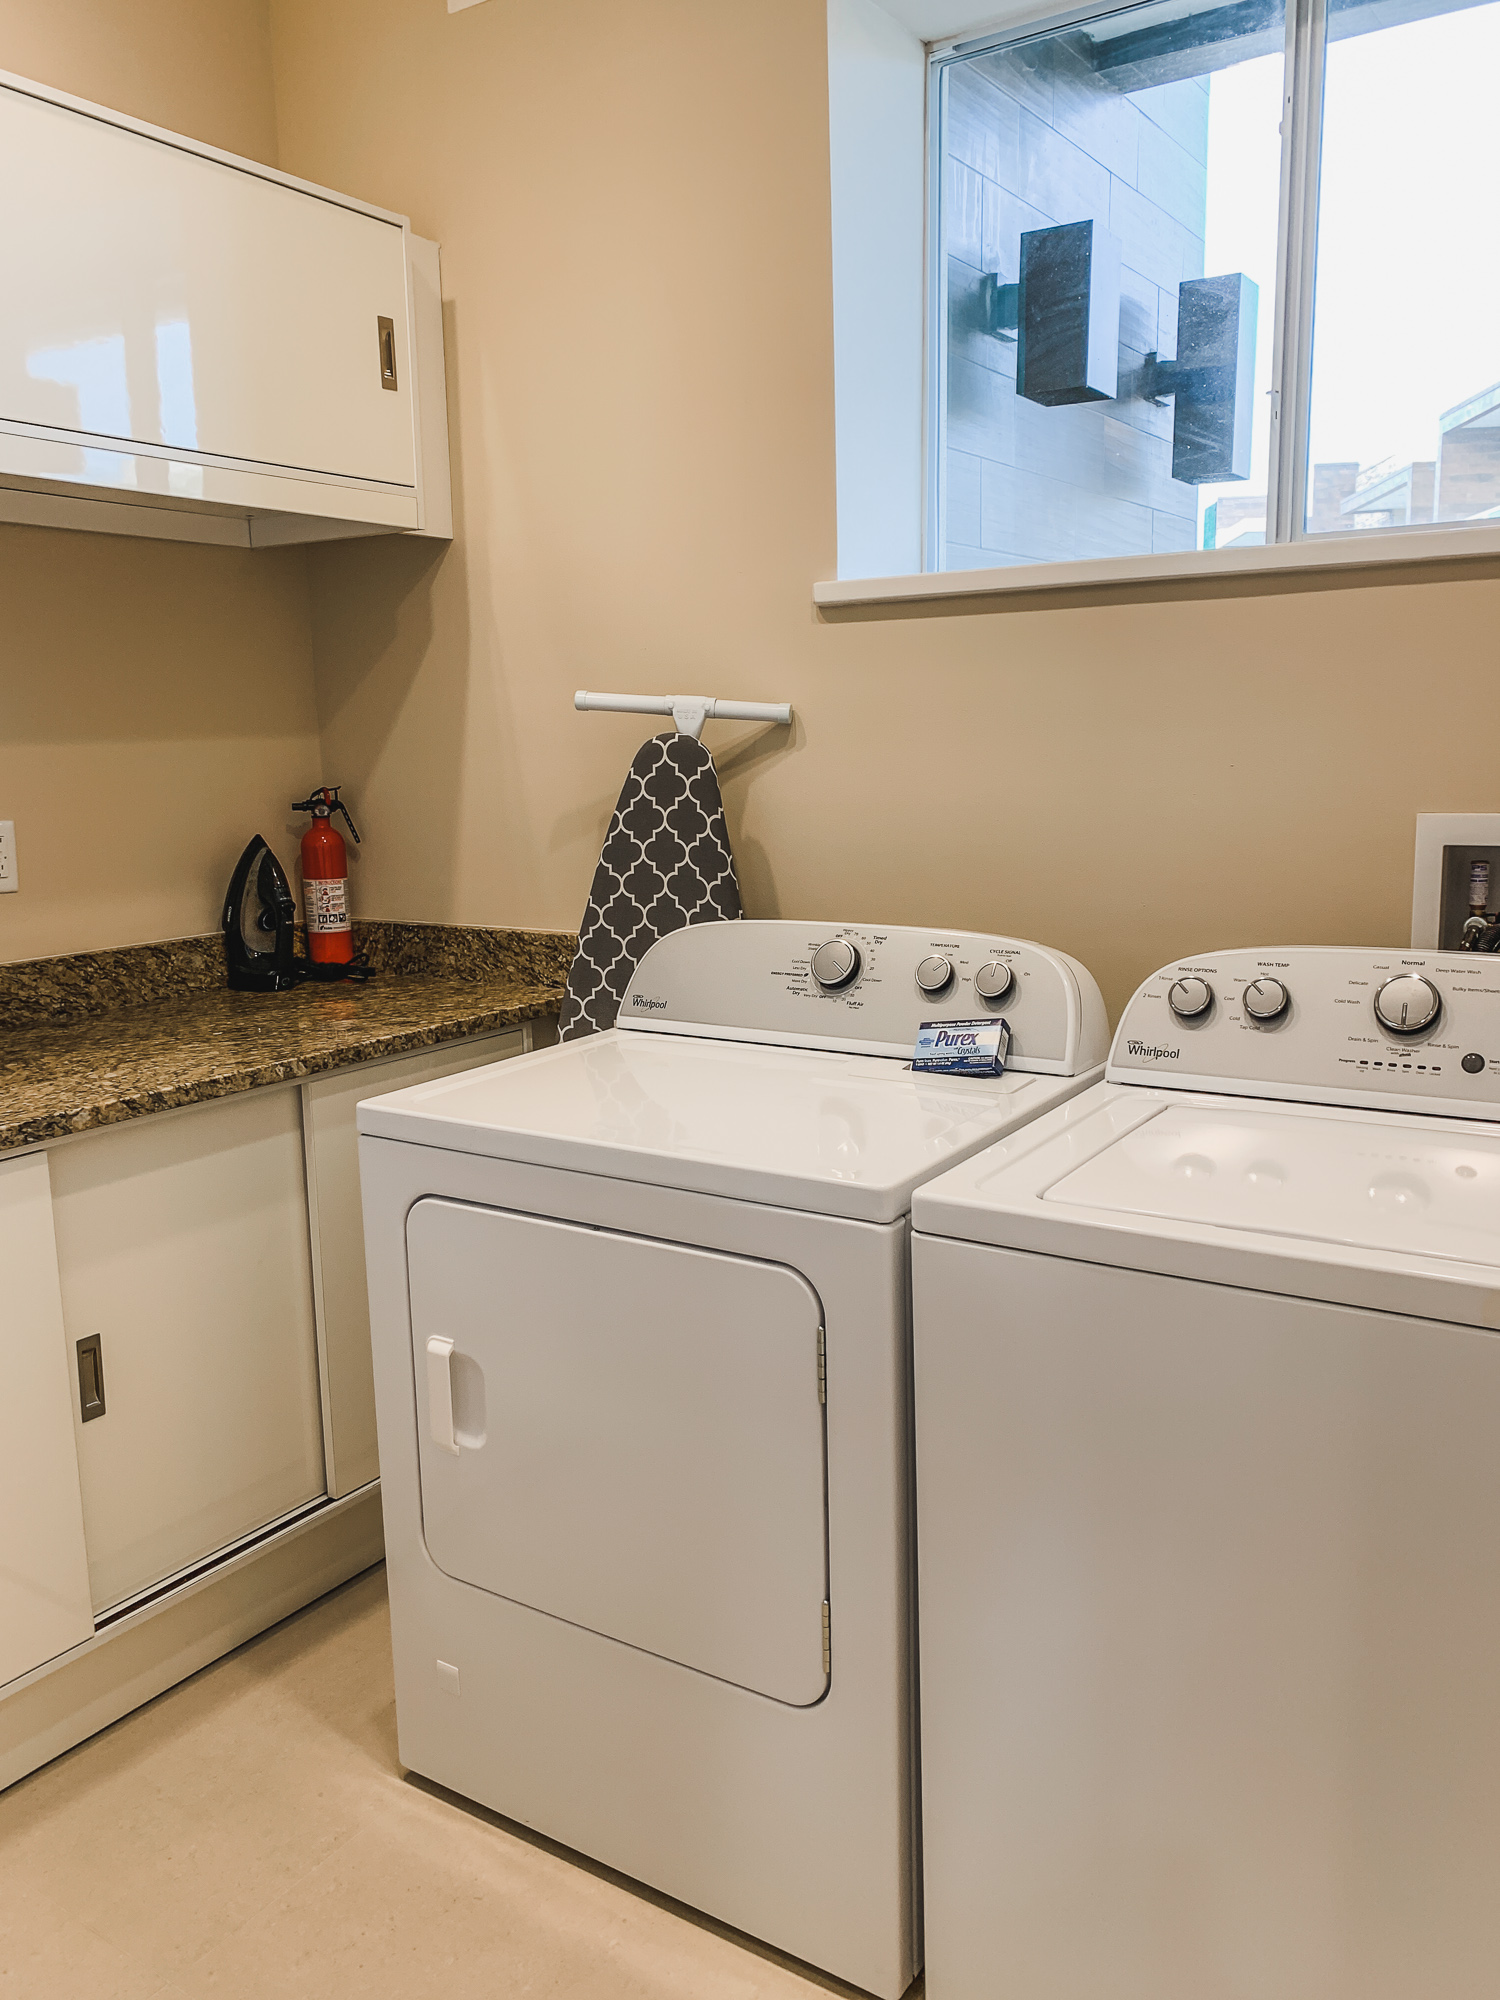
934	976
1407	1004
1266	999
1190	997
835	964
994	979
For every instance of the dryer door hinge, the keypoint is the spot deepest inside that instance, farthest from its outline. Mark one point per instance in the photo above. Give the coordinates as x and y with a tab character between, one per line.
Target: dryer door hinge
827	1644
822	1366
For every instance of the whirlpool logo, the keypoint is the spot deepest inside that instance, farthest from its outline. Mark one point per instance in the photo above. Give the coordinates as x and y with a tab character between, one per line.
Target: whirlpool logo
648	1006
1149	1052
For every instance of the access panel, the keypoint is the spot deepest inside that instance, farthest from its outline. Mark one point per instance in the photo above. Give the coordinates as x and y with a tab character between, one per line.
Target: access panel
627	1434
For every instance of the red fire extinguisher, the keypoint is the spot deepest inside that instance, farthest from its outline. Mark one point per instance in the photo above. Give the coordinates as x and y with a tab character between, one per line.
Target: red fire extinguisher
325	885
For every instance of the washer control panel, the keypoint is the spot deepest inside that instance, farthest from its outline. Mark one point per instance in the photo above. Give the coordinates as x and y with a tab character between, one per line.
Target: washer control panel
1326	1025
867	989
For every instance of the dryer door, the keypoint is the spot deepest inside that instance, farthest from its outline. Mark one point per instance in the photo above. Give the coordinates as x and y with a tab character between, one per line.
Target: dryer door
639	1437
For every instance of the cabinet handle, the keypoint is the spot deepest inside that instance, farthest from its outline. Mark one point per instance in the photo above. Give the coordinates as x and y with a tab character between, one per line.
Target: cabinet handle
440	1393
387	353
90	1378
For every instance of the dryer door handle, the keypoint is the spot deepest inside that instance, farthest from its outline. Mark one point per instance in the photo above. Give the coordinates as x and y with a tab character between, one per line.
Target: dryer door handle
440	1393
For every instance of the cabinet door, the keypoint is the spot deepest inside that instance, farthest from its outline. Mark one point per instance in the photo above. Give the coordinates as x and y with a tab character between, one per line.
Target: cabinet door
44	1580
157	295
182	1242
339	1242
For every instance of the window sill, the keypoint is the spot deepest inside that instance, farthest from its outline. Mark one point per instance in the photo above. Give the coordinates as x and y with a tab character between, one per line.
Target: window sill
1375	549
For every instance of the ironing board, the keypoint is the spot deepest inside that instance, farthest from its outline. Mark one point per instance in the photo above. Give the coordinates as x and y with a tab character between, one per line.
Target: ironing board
666	862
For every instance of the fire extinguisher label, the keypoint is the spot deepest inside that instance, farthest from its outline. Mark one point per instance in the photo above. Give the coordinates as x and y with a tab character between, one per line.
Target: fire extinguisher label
327	905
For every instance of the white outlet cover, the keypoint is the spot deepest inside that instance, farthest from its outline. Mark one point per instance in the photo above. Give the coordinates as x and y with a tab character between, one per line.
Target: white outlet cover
10	879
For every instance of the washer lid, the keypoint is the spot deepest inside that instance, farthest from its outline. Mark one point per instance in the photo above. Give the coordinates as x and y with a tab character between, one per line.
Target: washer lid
1396	1211
837	1134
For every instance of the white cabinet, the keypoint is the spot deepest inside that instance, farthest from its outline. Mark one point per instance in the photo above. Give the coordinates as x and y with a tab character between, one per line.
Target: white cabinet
338	1237
182	1242
44	1580
203	347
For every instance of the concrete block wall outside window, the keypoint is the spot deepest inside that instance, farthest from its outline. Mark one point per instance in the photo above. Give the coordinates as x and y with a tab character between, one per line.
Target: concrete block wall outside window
1032	137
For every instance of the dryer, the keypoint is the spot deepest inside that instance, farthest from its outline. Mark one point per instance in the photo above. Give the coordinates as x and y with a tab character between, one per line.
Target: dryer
640	1314
1207	1387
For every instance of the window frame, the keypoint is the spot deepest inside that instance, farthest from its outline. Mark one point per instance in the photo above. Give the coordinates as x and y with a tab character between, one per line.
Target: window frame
1291	367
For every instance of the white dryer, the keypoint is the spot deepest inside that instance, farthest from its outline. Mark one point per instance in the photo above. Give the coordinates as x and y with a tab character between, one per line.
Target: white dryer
640	1313
1208	1463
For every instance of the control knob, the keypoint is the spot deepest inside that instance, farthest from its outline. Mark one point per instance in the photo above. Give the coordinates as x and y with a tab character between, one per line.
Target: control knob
836	964
994	979
1407	1004
1189	998
934	976
1266	999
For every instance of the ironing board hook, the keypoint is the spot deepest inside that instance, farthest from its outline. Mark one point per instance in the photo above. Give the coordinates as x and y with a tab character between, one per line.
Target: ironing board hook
688	711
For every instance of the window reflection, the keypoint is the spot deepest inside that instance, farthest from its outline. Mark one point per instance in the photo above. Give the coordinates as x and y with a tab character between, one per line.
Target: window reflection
174	384
95	371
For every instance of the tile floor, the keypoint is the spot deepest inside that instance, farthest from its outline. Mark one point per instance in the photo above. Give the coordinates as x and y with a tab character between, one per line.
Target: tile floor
250	1834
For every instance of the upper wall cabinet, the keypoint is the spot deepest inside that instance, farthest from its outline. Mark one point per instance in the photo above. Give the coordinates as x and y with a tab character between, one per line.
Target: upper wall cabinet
197	347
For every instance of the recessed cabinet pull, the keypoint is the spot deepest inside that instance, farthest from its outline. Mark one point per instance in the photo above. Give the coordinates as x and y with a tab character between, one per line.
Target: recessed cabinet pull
90	1378
440	1394
387	352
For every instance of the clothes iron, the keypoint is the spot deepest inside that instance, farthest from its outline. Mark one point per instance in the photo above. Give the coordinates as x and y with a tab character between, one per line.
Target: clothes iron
259	924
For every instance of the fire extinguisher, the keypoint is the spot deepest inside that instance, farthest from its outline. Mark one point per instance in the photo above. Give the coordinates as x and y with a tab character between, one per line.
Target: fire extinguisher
325	886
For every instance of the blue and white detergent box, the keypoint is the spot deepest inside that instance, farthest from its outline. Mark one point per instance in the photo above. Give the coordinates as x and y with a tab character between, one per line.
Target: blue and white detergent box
962	1048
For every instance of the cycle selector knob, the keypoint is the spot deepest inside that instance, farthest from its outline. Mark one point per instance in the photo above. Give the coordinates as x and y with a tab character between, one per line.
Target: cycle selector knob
836	964
1190	998
1408	1004
994	979
1266	999
934	976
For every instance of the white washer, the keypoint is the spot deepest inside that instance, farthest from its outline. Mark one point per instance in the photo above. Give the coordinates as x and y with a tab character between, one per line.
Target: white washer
650	1592
1208	1468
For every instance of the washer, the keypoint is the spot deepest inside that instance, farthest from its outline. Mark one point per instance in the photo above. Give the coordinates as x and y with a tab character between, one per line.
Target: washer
1208	1468
640	1312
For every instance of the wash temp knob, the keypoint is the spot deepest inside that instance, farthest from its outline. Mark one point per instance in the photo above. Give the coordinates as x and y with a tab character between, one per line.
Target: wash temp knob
835	964
934	976
993	980
1266	999
1408	1004
1188	998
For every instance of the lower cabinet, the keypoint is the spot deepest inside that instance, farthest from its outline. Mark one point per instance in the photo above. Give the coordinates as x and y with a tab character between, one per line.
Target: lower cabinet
182	1241
44	1578
184	1346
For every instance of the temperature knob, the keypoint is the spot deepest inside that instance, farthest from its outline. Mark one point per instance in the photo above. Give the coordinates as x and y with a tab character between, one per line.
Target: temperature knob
1189	998
994	979
934	976
1408	1004
1266	999
835	964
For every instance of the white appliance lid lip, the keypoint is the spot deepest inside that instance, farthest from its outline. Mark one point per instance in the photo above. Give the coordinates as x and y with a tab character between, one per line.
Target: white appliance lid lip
1006	1196
847	1134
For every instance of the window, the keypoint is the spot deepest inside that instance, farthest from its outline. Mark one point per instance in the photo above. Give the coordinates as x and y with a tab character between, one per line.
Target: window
1199	282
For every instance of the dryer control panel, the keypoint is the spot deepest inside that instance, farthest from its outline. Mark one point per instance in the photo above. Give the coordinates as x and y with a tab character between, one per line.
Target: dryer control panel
1415	1029
866	988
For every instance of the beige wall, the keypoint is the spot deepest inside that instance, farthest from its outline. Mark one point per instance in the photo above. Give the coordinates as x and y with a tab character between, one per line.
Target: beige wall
156	703
632	203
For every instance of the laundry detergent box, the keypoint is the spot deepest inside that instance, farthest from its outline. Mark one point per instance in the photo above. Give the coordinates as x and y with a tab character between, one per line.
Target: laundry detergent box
962	1048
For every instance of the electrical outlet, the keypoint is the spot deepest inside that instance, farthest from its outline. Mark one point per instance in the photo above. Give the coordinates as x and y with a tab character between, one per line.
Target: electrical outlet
9	878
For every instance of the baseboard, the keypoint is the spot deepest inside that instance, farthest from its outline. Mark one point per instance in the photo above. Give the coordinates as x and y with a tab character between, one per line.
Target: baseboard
133	1664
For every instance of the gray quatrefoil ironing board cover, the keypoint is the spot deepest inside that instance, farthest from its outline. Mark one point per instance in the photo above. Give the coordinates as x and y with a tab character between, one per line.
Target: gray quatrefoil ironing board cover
666	862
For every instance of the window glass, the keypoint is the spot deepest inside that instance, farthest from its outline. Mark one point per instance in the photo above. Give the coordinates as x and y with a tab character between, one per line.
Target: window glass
1108	213
1406	274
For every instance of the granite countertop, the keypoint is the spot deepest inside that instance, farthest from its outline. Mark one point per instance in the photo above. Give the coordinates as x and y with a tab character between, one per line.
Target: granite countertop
102	1037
